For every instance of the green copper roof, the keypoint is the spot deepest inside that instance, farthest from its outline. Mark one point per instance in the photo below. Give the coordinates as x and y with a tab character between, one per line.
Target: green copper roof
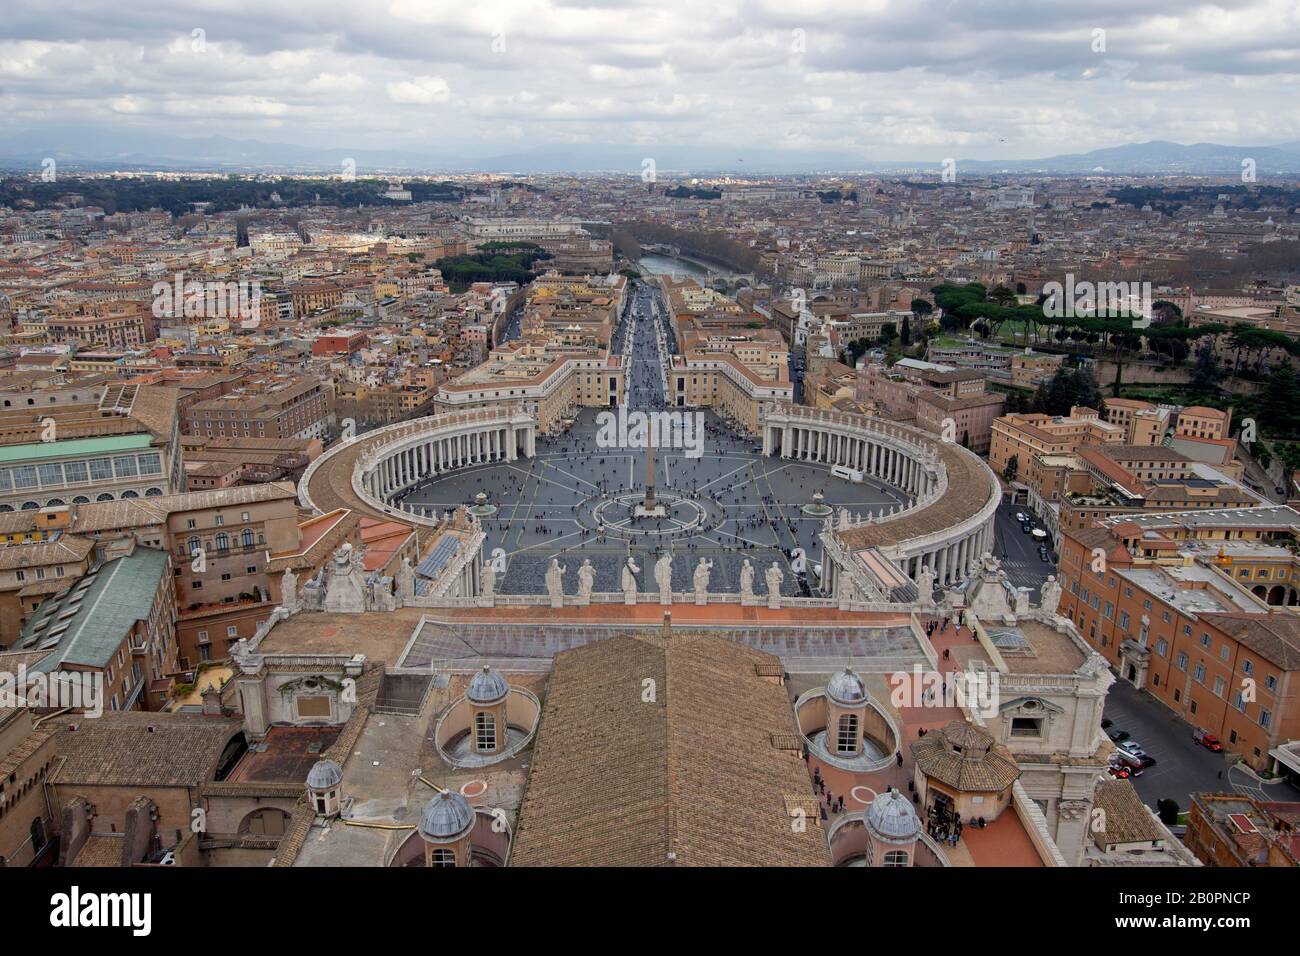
35	451
98	612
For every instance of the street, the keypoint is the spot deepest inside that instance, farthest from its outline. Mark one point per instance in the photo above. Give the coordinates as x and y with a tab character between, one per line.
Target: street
1018	551
1182	766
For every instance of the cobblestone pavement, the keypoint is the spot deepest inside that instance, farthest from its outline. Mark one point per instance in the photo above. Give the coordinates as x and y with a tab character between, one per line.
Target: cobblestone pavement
573	499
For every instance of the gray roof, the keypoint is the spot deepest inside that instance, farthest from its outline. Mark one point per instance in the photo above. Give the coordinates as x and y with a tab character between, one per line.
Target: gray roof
89	623
486	686
324	774
891	818
447	817
846	687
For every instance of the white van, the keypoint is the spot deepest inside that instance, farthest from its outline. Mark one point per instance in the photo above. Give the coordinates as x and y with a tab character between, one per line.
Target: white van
848	474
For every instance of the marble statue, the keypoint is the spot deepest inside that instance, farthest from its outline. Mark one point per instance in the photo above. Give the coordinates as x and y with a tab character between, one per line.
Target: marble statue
925	583
746	581
664	577
701	581
406	581
555	582
1049	595
844	519
586	580
289	589
774	578
487	580
630	571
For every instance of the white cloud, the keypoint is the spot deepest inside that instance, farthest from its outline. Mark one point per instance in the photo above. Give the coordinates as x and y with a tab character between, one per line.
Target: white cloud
421	89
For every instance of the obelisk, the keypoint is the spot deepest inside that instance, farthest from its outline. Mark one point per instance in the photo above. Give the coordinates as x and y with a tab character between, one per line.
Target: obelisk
649	508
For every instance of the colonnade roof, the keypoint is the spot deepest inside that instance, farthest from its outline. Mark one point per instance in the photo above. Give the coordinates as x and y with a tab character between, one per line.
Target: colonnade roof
970	484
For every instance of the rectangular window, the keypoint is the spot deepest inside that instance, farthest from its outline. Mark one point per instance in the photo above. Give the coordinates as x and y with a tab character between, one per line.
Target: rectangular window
101	469
74	471
51	474
25	476
125	467
1026	726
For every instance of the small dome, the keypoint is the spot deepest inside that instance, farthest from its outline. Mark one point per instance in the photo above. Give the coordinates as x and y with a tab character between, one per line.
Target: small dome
486	686
846	687
891	818
446	818
324	774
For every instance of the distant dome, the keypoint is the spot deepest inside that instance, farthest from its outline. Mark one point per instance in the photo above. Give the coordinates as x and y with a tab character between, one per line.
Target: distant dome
324	774
890	818
846	687
447	817
486	686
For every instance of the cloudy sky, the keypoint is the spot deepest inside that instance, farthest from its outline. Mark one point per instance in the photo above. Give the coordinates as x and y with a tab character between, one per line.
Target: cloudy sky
916	79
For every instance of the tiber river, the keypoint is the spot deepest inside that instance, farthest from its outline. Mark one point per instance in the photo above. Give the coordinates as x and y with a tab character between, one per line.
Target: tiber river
652	263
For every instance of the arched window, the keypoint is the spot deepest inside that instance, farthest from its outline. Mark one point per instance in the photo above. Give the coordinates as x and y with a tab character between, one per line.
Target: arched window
268	821
194	546
247	537
895	858
485	731
441	857
846	739
104	497
223	542
130	494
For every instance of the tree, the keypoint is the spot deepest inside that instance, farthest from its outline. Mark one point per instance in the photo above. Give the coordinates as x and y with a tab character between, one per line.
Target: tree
1168	811
1278	402
922	307
1012	469
1206	374
905	336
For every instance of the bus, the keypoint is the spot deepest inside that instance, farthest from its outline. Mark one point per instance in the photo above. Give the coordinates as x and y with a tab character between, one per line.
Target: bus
848	474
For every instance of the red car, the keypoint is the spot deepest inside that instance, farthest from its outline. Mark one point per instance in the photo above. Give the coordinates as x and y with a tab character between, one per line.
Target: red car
1119	773
1207	740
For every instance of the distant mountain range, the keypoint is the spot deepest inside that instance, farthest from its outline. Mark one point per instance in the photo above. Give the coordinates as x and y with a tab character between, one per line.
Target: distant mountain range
129	149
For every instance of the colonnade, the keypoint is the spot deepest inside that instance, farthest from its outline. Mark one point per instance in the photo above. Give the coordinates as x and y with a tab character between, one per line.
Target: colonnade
423	457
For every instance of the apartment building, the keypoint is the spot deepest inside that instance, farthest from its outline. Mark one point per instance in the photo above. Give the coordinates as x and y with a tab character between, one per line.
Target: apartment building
121	442
33	571
735	375
1181	606
117	622
298	407
1232	829
1017	440
124	326
27	755
1143	423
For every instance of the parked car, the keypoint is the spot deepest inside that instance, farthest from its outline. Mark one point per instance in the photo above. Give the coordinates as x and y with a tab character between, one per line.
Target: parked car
1106	723
1043	553
1206	739
1130	763
1021	517
1118	772
1026	528
1118	736
1132	746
